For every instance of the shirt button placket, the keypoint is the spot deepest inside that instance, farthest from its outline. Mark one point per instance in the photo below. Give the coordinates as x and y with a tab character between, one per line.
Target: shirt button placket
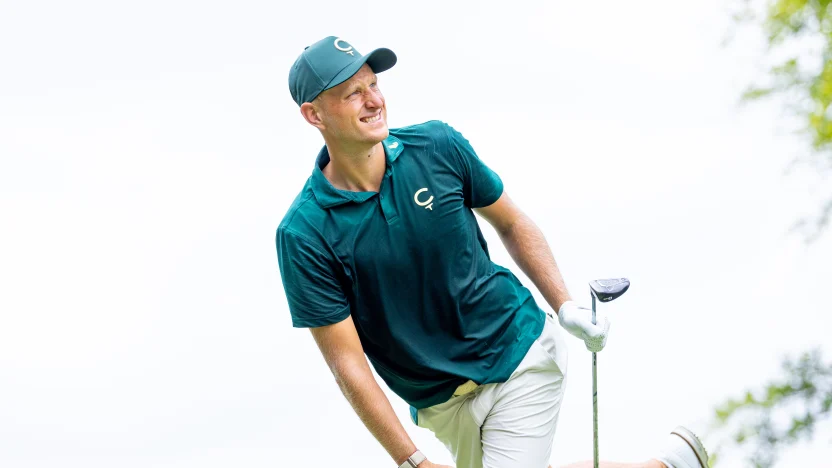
387	207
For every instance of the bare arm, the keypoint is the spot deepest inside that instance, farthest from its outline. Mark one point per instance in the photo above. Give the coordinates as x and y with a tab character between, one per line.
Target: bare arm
528	247
344	354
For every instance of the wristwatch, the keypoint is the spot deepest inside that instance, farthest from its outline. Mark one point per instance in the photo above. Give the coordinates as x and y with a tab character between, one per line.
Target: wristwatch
413	460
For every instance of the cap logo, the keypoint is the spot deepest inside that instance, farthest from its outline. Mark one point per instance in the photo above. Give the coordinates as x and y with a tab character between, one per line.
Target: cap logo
348	49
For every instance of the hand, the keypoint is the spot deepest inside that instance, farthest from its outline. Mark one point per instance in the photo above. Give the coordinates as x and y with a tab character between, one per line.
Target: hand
428	464
577	320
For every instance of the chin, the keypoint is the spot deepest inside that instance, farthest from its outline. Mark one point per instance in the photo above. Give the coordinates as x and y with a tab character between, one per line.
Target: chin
384	133
378	135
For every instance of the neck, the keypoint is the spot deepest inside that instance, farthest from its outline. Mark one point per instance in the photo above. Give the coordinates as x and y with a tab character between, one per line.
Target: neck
358	169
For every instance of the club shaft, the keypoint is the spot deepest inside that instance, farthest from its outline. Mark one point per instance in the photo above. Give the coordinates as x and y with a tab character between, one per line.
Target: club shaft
594	397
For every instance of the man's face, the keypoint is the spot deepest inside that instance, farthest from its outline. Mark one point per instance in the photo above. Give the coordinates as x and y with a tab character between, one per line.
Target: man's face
354	111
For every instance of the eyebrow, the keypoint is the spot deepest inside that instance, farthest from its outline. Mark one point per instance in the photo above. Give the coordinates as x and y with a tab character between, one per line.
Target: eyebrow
358	85
351	90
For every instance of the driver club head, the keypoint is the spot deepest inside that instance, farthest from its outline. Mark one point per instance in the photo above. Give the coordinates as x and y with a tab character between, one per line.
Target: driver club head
607	290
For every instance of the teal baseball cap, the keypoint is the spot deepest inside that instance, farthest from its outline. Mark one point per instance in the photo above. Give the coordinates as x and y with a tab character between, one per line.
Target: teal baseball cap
330	62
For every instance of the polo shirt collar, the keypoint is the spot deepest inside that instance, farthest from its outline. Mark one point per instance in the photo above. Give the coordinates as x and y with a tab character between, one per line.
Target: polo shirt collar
329	196
392	147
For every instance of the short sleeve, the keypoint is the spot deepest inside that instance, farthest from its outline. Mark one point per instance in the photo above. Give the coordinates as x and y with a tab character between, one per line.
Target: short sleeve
316	297
482	186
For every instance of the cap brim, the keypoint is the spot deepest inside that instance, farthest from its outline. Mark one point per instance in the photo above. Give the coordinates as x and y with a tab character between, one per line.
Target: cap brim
379	60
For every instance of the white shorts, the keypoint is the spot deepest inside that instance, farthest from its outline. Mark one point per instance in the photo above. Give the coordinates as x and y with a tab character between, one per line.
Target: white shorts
509	424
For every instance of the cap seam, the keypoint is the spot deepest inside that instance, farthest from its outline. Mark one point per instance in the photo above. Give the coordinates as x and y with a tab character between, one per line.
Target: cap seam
326	86
313	69
315	72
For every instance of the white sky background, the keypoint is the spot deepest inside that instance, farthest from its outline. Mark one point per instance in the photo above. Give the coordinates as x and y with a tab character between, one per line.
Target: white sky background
148	151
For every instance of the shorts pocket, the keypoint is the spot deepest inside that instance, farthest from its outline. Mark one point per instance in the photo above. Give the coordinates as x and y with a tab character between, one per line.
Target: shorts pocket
553	345
481	402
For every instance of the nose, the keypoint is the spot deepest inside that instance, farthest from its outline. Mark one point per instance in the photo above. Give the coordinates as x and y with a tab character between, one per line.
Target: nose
374	101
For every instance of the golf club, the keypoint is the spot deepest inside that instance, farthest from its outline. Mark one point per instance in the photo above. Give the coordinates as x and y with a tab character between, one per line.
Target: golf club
605	290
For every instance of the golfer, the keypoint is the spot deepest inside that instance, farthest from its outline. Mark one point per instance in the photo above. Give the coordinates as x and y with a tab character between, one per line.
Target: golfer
381	255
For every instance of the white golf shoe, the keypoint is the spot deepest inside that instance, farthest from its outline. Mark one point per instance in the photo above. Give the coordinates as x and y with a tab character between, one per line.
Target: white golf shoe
682	449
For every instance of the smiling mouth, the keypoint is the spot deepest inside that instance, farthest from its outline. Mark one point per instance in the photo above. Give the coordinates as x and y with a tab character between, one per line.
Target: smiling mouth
372	119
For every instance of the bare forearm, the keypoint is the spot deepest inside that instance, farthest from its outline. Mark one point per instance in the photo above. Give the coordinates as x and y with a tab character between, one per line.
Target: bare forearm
372	406
528	247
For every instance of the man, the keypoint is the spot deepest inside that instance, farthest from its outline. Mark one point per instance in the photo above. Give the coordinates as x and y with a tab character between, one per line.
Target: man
381	254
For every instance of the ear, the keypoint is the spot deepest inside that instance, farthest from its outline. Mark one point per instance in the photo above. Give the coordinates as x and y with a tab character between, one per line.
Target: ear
312	114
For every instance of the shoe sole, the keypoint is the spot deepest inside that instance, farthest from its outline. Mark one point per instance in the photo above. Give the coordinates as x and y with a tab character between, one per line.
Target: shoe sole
694	443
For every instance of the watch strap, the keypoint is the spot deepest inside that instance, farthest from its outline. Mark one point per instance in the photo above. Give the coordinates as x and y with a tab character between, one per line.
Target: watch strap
413	460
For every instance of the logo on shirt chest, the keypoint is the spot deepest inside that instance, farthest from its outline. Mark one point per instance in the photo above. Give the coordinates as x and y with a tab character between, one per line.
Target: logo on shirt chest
427	203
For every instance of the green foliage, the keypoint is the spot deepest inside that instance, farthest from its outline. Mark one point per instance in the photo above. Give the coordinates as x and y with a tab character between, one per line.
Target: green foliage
782	412
798	36
799	39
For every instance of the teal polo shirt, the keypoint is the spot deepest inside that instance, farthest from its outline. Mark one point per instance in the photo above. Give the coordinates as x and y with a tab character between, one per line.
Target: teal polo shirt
411	266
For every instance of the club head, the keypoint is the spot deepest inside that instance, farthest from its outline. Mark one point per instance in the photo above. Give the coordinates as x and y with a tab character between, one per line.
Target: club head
607	290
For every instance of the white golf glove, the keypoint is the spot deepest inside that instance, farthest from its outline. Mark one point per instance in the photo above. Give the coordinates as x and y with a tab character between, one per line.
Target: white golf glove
577	320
